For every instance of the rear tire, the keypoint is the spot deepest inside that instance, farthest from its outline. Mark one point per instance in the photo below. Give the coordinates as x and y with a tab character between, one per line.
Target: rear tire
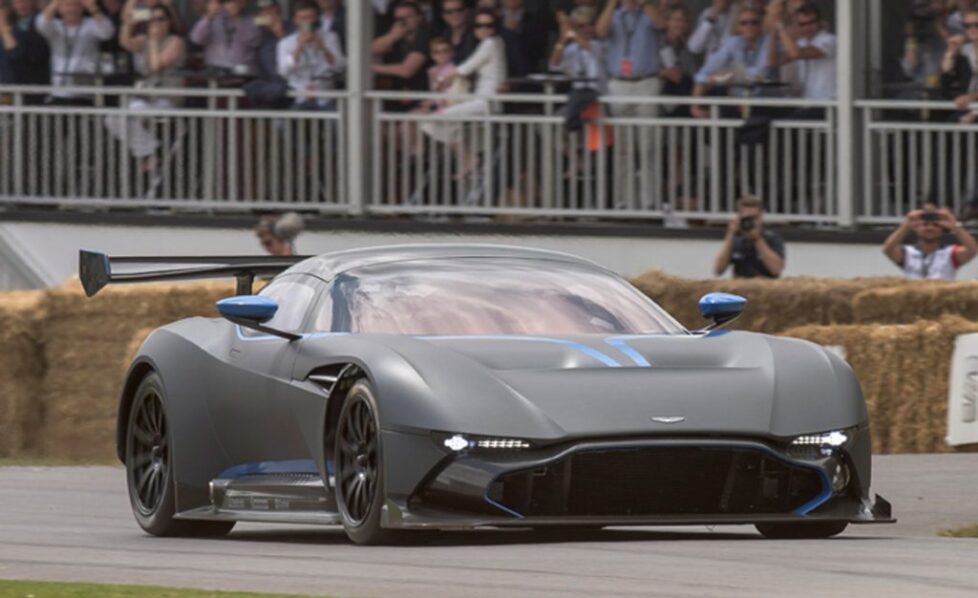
149	469
802	531
359	468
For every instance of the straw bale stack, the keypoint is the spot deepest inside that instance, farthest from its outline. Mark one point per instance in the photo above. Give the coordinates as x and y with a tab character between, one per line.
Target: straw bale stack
773	305
21	369
925	300
904	371
87	346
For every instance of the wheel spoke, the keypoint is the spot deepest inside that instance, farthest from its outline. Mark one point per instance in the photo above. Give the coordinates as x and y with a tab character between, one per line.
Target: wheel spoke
143	437
140	460
154	486
158	412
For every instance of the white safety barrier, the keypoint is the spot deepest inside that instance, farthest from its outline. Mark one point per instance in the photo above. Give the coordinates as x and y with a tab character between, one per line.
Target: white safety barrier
913	152
198	148
207	149
519	158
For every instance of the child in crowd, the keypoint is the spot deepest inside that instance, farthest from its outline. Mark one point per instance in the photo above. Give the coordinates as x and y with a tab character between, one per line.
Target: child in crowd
441	55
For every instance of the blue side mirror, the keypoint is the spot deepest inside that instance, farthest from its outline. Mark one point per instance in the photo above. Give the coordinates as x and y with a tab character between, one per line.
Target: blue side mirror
722	308
248	307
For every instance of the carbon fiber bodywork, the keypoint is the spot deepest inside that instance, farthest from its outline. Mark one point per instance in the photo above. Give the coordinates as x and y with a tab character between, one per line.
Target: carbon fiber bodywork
610	423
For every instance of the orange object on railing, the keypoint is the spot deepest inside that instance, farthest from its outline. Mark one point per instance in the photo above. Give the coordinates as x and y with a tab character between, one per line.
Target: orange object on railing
596	138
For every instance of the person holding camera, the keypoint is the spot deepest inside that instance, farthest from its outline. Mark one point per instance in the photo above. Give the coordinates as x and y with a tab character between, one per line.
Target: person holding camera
229	39
310	58
927	259
753	250
74	40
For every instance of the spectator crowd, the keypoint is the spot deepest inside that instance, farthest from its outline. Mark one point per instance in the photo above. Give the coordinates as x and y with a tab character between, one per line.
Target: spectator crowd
624	48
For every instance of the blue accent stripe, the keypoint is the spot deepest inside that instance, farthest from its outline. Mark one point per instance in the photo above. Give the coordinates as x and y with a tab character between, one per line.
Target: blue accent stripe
594	353
819	500
621	343
504	508
270	467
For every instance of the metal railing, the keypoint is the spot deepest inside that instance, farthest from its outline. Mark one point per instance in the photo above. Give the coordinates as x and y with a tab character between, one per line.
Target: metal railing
516	157
523	161
912	151
202	148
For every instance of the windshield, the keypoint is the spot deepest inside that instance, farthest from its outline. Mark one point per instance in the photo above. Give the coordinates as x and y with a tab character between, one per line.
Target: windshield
486	296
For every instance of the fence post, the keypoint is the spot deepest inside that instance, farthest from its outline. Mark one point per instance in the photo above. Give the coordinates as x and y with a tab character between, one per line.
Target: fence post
847	137
18	148
359	33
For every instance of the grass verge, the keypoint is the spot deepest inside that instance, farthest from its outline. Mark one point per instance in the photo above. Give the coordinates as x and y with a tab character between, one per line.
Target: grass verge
38	589
970	531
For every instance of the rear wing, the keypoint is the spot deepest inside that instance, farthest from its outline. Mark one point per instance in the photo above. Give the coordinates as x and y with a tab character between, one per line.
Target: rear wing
97	270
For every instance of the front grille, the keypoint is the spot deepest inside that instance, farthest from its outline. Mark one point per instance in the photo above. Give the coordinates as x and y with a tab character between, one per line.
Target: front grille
659	481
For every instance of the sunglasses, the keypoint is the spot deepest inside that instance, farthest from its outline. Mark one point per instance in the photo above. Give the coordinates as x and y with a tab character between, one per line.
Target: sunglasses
485	26
159	20
750	23
971	25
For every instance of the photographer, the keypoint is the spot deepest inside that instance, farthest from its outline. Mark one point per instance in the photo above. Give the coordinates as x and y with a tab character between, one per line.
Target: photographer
309	58
926	259
753	250
230	40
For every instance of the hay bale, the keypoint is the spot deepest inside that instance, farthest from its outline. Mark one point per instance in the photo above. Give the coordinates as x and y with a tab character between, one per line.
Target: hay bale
89	342
20	372
773	305
904	370
924	300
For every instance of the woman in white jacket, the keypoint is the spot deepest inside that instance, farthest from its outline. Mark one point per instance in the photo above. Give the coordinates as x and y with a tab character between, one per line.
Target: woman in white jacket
488	65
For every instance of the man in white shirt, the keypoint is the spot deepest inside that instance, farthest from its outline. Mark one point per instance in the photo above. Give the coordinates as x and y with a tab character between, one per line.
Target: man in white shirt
74	41
927	259
310	58
712	26
813	49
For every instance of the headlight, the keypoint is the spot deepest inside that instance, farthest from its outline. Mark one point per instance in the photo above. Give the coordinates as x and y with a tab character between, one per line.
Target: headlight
830	439
813	446
457	443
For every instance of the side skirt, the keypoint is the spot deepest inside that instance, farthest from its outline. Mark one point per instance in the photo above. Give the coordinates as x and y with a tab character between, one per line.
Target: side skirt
268	498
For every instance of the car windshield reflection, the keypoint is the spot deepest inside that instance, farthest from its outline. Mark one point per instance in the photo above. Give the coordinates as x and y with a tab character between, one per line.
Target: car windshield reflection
475	297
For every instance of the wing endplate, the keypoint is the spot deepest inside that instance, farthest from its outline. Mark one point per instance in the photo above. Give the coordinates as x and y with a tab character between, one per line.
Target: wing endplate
97	270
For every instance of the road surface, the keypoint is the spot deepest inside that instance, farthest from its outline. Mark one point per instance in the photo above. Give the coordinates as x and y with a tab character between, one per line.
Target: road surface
75	524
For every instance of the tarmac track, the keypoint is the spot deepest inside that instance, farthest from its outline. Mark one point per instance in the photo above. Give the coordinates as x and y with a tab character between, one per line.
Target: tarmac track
75	524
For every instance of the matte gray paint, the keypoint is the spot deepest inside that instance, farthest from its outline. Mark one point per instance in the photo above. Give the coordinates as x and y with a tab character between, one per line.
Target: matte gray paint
233	401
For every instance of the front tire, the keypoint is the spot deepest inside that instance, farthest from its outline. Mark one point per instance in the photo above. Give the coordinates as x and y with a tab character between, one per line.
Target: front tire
149	468
803	530
359	468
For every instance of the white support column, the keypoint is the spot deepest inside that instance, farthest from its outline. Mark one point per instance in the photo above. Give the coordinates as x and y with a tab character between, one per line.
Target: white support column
847	137
359	32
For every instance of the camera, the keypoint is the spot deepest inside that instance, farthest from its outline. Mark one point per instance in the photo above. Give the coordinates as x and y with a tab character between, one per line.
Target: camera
930	217
747	224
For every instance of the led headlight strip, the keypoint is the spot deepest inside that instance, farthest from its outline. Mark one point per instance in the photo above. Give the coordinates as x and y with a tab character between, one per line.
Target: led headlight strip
458	443
830	439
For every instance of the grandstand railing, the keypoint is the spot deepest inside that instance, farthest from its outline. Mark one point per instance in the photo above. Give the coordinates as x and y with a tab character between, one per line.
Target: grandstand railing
216	154
614	168
212	152
912	151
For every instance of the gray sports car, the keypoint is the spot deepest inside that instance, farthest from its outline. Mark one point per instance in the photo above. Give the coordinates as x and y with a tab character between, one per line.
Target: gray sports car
462	386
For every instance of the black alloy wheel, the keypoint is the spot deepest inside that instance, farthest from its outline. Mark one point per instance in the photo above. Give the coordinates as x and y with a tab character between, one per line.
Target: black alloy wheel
148	453
359	469
149	468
